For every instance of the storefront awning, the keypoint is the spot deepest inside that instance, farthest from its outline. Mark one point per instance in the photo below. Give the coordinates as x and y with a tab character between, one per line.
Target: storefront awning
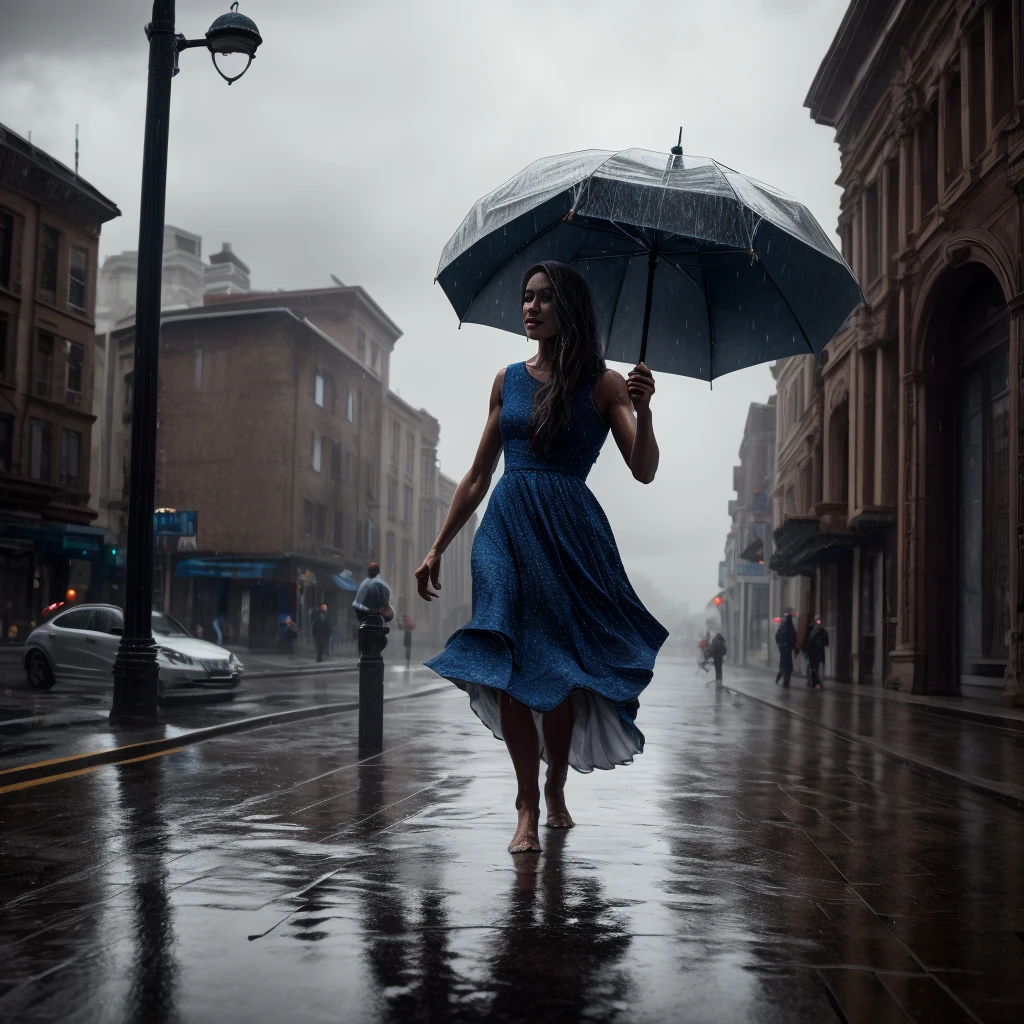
212	568
345	583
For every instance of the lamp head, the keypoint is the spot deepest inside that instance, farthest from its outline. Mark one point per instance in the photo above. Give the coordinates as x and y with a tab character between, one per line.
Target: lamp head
233	33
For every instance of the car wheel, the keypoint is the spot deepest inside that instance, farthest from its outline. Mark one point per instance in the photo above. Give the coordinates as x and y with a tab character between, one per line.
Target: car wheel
38	671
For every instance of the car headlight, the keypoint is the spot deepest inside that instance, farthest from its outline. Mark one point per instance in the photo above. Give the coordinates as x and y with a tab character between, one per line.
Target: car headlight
175	656
233	661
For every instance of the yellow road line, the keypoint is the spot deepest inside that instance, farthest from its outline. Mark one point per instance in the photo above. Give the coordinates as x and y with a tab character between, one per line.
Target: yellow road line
15	786
71	757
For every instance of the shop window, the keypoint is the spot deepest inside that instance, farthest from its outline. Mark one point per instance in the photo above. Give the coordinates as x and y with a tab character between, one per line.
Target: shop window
307	519
872	233
70	458
41	434
953	138
6	437
339	531
75	355
928	159
6	247
78	268
1002	59
49	258
321	521
315	451
44	365
318	390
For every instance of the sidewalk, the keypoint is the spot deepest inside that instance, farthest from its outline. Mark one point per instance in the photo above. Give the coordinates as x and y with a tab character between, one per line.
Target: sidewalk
978	748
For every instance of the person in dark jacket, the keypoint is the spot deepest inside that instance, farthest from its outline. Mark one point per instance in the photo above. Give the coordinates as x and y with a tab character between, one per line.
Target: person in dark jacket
321	629
814	648
785	640
717	651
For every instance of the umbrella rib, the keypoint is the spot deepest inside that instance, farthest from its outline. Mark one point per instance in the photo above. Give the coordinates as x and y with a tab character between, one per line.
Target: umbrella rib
735	194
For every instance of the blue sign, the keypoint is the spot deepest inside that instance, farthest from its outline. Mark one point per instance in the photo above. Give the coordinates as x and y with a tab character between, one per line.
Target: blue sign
168	523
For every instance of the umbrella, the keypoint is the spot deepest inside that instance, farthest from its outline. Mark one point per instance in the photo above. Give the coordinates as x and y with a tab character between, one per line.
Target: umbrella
697	270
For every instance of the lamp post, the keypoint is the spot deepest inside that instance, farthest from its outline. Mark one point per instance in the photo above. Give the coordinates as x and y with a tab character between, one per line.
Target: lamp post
136	673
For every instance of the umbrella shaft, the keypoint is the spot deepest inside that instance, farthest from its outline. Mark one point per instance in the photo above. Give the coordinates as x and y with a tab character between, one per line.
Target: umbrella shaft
652	263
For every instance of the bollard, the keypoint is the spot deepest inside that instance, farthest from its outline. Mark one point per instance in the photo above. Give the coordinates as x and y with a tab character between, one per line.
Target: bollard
373	638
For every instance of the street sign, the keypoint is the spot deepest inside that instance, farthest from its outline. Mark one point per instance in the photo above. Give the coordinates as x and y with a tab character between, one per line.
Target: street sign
167	522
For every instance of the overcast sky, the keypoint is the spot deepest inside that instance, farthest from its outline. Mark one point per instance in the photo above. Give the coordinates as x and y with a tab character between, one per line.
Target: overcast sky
365	131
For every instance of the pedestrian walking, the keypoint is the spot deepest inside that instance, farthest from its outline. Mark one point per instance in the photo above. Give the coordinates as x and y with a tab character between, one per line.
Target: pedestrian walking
559	647
321	630
814	649
408	625
286	634
373	596
718	651
785	640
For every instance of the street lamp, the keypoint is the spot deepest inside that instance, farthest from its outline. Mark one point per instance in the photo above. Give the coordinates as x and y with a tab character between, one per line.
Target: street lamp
136	673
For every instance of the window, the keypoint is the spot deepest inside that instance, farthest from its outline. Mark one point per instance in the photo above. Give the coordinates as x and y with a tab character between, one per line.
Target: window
928	159
315	449
48	260
77	618
361	345
199	367
39	451
75	357
78	268
339	531
892	227
392	498
186	245
1002	59
3	347
872	231
335	461
410	452
70	454
348	468
976	92
349	410
307	518
44	365
407	506
368	477
6	247
321	521
318	390
953	141
6	435
375	365
396	442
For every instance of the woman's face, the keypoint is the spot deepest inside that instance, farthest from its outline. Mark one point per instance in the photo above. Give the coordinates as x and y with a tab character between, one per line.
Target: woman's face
538	308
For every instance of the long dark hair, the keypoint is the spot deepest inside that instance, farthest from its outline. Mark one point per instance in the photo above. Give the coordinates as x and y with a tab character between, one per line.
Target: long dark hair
577	357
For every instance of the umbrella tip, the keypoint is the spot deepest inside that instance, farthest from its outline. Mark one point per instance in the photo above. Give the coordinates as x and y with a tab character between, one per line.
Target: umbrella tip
677	149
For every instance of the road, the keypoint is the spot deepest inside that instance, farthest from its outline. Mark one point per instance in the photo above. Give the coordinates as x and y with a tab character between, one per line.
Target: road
749	866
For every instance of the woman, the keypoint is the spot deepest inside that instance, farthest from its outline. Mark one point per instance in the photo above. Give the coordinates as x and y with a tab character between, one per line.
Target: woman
559	646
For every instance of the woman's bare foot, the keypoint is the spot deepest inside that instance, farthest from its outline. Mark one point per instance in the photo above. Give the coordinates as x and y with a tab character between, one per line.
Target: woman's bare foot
527	838
554	797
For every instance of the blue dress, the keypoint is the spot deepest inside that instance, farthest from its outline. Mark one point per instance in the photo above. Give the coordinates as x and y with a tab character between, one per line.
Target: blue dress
553	611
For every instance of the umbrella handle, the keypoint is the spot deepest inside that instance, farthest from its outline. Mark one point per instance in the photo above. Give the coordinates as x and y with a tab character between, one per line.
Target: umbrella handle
652	263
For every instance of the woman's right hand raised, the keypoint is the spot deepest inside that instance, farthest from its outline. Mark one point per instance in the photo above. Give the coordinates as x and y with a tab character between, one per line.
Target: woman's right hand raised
429	575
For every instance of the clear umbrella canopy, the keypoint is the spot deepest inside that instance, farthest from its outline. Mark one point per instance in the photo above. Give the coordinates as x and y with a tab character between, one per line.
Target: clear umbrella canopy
744	273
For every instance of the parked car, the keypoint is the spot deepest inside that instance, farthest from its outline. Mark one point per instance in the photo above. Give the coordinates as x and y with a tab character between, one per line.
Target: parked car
81	642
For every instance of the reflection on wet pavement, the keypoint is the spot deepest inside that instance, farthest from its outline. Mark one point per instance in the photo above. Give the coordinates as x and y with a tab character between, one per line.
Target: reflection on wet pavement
747	867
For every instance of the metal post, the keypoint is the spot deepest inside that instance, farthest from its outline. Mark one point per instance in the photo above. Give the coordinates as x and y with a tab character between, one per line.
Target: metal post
373	638
136	674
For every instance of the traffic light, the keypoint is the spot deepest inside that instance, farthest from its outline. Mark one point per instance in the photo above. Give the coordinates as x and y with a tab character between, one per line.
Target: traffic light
717	599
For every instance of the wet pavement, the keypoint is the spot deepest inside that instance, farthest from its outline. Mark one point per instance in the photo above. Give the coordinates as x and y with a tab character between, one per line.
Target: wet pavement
750	866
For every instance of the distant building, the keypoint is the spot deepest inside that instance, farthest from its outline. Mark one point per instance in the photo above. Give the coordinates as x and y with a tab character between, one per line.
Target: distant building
744	577
906	468
50	221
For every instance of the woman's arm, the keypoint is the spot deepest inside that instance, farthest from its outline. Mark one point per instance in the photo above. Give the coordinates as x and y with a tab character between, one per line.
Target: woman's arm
468	495
616	400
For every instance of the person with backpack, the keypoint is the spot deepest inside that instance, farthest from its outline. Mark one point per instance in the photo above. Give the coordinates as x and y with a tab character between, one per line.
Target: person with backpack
814	648
717	651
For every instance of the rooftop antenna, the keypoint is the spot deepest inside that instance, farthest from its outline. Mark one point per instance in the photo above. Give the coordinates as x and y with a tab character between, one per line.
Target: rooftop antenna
76	150
677	149
337	281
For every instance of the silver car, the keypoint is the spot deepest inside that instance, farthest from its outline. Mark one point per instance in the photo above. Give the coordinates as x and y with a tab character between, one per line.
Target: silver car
80	644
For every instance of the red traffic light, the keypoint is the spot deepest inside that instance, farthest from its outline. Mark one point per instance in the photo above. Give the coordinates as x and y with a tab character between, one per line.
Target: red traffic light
777	620
716	599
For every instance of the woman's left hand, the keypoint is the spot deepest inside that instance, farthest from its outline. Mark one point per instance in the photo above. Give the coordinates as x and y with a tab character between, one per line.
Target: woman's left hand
640	385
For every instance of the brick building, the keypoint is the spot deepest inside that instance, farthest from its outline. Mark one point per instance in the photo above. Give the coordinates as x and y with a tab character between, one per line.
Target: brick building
896	477
50	221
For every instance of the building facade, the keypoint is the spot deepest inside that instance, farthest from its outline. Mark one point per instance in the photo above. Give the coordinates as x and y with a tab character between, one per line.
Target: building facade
50	221
744	576
906	527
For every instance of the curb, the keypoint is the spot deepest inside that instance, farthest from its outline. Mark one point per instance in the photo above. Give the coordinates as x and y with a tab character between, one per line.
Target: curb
143	748
1007	794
